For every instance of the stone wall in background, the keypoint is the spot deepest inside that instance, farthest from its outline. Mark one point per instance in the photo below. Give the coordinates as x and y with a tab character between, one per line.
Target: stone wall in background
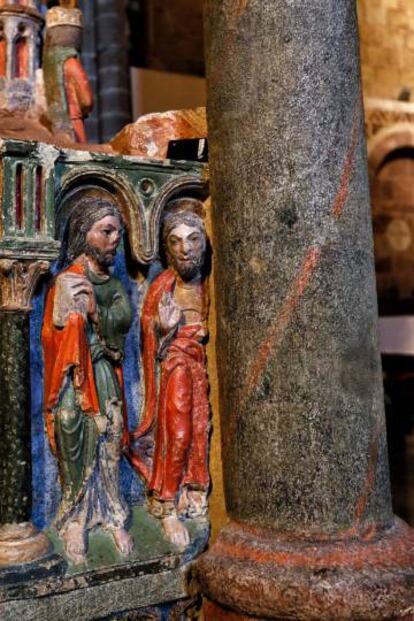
175	36
387	47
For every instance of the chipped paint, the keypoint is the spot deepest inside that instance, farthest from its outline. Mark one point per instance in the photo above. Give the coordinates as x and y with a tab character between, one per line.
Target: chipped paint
340	199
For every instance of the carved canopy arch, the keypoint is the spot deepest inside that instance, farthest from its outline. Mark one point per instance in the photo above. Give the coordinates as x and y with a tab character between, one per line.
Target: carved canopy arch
98	182
142	221
185	185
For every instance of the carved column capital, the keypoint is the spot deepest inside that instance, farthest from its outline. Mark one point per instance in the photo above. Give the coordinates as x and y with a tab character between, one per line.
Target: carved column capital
18	279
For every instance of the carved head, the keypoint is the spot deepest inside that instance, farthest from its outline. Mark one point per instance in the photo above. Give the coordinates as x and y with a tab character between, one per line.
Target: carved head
64	36
95	229
184	237
64	25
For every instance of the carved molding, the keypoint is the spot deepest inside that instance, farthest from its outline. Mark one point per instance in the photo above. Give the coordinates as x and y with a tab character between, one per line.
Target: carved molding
383	113
18	280
142	222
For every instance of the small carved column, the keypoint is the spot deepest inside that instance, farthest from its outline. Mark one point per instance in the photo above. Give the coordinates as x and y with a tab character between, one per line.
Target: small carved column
19	541
27	247
312	535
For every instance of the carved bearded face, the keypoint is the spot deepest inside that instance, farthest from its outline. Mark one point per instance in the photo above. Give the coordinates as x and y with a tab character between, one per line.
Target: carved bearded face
103	238
185	247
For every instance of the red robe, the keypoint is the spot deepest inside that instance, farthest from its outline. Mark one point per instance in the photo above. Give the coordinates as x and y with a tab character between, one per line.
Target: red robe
176	408
65	349
79	96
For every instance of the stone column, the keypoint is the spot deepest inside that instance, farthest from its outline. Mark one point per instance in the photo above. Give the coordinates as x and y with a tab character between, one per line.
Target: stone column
113	68
19	541
312	534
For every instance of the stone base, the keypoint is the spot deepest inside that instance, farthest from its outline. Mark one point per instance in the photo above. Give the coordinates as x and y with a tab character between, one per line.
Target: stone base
151	584
112	593
21	543
14	576
265	575
214	612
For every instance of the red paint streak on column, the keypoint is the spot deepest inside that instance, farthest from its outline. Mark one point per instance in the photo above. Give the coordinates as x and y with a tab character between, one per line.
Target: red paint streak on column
363	497
276	331
306	271
342	195
391	551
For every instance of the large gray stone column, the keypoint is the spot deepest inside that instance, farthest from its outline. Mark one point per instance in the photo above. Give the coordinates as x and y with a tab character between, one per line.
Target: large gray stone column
306	476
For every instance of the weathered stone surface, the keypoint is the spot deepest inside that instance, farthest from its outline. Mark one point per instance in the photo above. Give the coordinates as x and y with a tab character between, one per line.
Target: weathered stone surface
386	30
274	576
302	389
15	462
150	134
99	601
14	575
301	393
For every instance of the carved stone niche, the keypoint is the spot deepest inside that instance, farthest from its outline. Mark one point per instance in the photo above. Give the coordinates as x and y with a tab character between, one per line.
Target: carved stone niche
42	188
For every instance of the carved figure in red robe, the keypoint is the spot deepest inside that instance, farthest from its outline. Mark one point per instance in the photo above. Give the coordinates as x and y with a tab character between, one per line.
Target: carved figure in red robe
176	412
68	92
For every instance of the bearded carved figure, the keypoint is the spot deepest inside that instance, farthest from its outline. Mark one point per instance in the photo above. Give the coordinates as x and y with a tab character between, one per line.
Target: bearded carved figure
87	317
169	448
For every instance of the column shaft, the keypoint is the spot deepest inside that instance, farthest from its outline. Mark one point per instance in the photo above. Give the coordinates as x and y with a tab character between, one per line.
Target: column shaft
302	395
15	458
304	447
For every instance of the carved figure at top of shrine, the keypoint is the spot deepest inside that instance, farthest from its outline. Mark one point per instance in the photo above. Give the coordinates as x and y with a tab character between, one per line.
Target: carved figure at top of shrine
20	27
68	92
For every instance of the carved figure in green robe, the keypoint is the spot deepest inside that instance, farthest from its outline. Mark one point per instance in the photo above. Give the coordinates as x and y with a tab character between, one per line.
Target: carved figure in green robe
87	317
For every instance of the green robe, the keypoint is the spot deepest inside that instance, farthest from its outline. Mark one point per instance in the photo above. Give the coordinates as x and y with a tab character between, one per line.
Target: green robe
89	459
54	58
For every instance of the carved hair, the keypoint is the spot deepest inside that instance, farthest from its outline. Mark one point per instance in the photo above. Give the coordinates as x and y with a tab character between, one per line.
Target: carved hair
84	215
185	210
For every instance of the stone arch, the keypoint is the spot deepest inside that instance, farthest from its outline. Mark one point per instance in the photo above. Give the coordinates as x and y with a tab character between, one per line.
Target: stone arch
183	185
142	222
98	182
390	139
391	166
20	65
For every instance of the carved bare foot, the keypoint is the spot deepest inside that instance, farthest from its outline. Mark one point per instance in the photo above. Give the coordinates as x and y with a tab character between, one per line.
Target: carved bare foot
74	543
192	503
183	502
175	531
123	541
197	503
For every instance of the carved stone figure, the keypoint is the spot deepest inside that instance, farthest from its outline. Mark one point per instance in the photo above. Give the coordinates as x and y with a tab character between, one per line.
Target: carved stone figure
87	317
68	92
176	411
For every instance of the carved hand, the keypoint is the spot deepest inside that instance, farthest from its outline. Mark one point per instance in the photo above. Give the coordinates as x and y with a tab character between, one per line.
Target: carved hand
77	287
169	313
